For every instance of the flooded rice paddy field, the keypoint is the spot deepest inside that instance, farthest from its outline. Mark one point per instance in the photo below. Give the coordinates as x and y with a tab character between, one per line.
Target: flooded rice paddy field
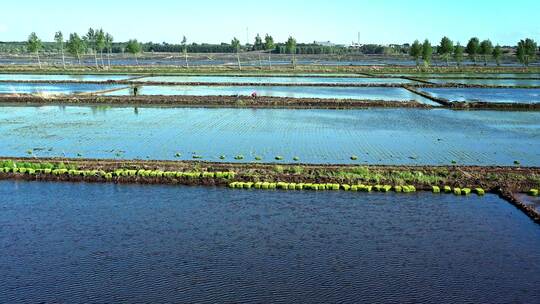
507	95
362	93
107	243
488	82
465	75
61	77
376	136
53	88
277	80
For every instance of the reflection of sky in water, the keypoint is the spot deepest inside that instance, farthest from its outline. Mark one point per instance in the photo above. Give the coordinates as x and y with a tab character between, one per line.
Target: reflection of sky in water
72	88
277	80
18	77
377	136
487	95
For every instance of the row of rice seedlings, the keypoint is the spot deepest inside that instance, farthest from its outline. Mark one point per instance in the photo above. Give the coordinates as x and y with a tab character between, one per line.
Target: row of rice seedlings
319	186
36	165
120	173
533	192
458	191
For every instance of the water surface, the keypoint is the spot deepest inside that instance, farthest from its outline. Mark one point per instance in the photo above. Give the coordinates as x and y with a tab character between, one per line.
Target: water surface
50	88
61	243
277	80
506	95
20	77
376	136
363	93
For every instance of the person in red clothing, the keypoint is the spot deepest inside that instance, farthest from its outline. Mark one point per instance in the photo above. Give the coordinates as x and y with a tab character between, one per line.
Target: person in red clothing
254	95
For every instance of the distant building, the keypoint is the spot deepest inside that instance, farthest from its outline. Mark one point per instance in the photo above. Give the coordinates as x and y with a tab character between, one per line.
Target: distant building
324	43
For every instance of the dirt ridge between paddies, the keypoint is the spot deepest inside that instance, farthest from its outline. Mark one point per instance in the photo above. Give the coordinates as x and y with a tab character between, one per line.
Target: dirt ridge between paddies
420	84
275	69
258	102
207	101
504	181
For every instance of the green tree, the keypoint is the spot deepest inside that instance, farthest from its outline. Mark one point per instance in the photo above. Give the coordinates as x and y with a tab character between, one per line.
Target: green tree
184	50
100	43
290	48
269	43
269	46
458	54
473	48
90	41
76	46
59	39
486	50
427	52
108	45
415	51
134	48
34	45
235	44
497	54
445	49
258	45
526	51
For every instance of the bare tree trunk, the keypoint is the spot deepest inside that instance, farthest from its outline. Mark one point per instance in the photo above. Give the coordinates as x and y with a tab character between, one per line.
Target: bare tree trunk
95	57
39	61
109	58
269	60
101	53
136	60
238	58
260	61
79	58
187	63
63	59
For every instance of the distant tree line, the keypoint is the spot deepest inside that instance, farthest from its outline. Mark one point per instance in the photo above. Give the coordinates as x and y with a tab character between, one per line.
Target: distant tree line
526	51
97	42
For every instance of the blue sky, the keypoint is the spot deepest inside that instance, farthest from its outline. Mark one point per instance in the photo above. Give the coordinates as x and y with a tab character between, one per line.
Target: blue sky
383	21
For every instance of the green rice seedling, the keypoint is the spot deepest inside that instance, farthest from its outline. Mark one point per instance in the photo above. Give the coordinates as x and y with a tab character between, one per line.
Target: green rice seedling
248	185
232	185
398	188
533	192
386	188
466	191
354	157
279	157
140	172
315	187
258	158
447	189
272	186
335	187
258	185
240	185
436	189
177	154
265	185
378	187
292	186
457	191
346	187
296	158
208	175
31	171
108	176
354	188
283	185
480	191
239	157
300	186
2	170
29	152
453	162
222	157
517	163
195	156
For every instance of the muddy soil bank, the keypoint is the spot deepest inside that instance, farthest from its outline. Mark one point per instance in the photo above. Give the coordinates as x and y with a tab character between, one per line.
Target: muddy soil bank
209	101
275	69
504	181
420	84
